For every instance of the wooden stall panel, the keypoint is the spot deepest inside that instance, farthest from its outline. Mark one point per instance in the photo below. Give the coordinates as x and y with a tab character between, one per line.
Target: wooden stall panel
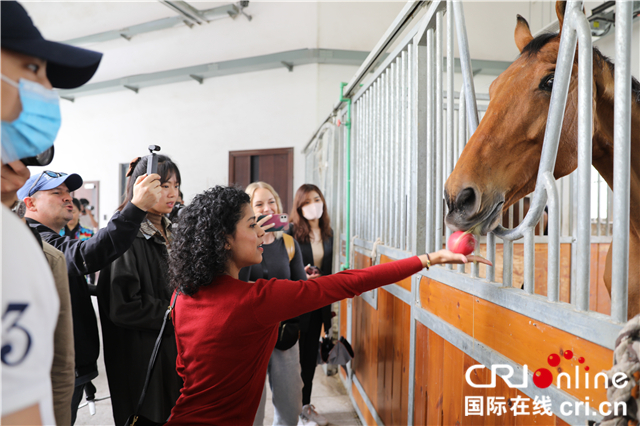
368	418
421	375
452	305
406	283
435	385
526	341
453	374
381	345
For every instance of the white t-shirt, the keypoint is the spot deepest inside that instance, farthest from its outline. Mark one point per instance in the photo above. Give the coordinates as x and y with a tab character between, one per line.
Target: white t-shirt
29	314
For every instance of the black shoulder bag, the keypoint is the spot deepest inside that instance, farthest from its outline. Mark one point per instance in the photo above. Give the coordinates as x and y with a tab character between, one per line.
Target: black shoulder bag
136	419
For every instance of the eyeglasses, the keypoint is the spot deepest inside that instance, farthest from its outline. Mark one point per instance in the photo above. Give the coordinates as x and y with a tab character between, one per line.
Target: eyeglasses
49	173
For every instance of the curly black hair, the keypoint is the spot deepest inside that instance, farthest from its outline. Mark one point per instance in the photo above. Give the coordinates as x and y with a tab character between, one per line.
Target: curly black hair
198	253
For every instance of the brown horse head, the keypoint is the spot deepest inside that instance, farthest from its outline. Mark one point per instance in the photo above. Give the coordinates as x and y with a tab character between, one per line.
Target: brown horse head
499	164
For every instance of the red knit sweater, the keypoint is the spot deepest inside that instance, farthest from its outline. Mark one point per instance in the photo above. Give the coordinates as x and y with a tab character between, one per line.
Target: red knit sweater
226	332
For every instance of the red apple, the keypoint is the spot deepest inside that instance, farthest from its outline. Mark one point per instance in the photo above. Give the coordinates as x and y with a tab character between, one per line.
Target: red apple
461	242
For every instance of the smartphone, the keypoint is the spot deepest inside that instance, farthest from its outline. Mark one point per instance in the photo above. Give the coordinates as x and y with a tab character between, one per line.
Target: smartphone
152	161
314	270
281	222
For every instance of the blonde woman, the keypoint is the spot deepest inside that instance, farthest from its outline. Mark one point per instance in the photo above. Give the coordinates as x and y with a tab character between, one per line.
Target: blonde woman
282	259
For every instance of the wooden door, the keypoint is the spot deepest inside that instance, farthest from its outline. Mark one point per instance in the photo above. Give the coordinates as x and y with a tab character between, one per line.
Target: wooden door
273	166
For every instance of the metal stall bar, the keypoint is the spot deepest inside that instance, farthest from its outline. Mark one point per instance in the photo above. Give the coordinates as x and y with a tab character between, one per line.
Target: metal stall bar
437	191
578	21
621	162
450	161
403	150
462	138
430	119
418	184
394	153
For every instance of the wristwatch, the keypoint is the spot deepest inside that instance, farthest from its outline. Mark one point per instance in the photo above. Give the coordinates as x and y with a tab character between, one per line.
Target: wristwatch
19	208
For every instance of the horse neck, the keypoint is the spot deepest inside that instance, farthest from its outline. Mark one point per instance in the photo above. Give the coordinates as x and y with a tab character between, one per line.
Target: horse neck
603	149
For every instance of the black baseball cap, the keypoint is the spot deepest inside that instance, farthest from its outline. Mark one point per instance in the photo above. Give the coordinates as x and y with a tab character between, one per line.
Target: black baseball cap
67	66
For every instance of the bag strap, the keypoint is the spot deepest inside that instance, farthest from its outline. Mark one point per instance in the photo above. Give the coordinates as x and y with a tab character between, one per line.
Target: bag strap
289	245
154	354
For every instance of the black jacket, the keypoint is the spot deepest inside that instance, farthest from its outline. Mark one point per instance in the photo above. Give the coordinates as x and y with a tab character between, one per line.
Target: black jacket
85	257
133	296
275	264
325	269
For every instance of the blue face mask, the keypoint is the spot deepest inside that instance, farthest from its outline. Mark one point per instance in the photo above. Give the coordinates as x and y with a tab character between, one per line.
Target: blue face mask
37	126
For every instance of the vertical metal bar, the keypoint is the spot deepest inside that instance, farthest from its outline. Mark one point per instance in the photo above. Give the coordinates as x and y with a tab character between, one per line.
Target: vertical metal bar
388	165
418	181
491	256
450	106
574	243
553	263
365	164
430	141
511	217
370	171
585	101
438	190
412	149
529	261
462	137
465	63
396	153
609	212
621	162
599	181
521	209
403	150
507	263
376	161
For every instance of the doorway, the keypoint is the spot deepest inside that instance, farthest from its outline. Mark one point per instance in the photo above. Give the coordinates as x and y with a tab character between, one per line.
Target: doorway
90	190
274	166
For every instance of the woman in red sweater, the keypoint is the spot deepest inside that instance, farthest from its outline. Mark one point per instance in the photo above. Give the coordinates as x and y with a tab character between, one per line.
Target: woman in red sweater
226	328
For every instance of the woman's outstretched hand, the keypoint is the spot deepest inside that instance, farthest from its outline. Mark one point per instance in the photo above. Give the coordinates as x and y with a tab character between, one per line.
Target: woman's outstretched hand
445	256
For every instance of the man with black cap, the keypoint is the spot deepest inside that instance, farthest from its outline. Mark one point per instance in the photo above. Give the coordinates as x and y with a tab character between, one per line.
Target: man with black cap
30	67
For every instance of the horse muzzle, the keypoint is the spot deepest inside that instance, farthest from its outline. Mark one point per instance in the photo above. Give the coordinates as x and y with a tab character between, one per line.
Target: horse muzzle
472	210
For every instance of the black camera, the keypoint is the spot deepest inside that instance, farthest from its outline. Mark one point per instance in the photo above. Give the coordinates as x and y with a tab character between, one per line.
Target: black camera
42	159
152	159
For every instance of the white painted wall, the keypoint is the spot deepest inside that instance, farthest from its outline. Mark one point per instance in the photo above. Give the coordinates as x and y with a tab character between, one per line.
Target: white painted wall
197	125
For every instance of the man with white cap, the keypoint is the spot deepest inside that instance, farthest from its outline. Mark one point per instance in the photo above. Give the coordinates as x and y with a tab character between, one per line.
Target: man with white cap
30	67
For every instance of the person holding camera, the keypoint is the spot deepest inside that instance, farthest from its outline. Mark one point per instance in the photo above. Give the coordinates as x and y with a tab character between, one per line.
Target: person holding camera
311	228
133	295
31	307
226	328
86	215
282	259
48	201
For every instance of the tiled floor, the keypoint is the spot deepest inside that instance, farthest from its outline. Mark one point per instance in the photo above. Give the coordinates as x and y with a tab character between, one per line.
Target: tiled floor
328	396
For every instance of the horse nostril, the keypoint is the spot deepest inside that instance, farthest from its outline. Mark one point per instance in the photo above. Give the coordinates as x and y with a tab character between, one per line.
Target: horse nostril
466	200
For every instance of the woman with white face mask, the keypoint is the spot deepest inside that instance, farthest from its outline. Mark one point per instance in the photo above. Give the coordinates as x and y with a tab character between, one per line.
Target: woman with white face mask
280	259
311	228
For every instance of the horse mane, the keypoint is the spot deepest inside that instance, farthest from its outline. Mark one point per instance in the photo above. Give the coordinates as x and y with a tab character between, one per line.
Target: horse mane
540	41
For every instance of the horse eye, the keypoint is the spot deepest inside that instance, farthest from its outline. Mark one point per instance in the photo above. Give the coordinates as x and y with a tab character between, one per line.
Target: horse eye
547	83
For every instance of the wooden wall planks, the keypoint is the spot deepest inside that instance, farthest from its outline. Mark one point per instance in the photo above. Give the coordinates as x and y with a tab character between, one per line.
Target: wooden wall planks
381	340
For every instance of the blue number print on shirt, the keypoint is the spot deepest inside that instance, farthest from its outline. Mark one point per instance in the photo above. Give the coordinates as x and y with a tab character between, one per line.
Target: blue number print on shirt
16	340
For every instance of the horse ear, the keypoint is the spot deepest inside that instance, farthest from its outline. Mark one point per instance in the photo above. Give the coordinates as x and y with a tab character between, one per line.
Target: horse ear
523	33
560	8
